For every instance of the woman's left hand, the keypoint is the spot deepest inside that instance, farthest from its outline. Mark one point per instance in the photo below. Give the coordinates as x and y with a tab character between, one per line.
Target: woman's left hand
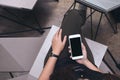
84	59
57	42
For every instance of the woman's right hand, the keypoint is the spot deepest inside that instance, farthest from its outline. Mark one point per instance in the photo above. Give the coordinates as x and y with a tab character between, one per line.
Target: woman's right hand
57	42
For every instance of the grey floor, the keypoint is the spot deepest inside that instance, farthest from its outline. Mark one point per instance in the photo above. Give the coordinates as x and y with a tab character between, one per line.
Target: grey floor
51	13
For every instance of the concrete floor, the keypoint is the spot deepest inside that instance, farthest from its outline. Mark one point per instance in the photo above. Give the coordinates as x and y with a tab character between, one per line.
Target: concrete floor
50	13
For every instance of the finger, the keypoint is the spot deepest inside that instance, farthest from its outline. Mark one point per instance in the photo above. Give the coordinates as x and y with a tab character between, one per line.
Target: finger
82	44
70	57
83	47
70	51
69	47
56	33
60	33
65	39
54	36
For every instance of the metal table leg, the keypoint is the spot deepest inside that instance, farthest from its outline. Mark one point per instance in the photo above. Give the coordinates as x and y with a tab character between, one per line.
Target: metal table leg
108	66
98	26
36	29
73	5
91	23
114	29
117	65
91	13
11	75
40	30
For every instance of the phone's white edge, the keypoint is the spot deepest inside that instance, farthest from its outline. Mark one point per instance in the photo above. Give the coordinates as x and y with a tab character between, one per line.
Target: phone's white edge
77	57
75	36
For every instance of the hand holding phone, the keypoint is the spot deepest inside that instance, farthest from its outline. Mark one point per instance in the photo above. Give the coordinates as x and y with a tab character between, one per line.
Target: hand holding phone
75	42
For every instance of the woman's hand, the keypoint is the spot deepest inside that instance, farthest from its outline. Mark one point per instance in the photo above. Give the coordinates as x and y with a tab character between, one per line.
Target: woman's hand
57	42
84	59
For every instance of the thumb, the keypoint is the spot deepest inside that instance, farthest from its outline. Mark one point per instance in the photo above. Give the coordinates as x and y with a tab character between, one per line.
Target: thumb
65	39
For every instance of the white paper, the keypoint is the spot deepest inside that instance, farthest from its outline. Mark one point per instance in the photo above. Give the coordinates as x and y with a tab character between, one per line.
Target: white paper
28	4
39	62
98	50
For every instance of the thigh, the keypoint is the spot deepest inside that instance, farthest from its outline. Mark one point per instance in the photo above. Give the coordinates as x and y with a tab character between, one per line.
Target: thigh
71	24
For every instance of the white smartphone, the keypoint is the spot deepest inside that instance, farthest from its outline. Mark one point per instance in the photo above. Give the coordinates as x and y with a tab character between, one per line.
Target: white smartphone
75	42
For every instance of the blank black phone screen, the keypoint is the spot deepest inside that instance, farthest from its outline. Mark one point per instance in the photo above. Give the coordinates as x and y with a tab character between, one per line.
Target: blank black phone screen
76	46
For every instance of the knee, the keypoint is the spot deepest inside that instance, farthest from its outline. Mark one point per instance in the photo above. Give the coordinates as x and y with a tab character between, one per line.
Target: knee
75	16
